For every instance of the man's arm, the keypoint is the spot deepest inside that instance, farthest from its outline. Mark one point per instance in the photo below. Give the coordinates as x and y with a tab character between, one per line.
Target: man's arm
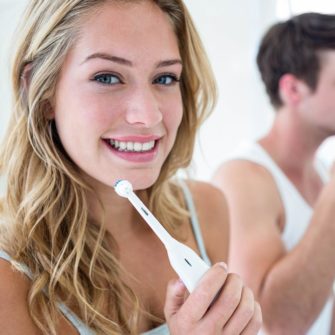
292	287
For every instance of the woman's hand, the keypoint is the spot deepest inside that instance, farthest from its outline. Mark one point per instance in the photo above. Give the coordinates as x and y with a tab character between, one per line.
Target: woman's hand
233	311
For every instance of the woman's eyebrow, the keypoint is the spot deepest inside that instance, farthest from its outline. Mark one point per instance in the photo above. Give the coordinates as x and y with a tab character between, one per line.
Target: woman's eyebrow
109	57
169	62
124	61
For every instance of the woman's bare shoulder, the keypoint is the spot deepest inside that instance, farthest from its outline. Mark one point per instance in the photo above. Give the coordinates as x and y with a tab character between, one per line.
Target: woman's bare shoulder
212	212
12	281
15	318
14	313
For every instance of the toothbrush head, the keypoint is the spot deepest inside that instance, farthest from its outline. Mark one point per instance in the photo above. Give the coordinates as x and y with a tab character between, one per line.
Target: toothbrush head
123	188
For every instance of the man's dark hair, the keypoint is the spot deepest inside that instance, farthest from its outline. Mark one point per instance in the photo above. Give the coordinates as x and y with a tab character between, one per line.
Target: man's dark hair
294	46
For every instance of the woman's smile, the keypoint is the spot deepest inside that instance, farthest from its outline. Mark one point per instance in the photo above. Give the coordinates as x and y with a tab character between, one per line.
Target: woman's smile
134	148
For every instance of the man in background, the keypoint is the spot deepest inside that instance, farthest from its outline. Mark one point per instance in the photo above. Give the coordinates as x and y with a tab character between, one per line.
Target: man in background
282	206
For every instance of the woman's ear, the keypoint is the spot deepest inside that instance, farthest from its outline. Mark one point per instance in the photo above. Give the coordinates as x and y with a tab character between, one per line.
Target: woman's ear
25	76
48	110
25	83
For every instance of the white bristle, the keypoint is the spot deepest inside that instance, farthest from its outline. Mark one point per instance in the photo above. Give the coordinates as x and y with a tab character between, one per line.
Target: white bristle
123	188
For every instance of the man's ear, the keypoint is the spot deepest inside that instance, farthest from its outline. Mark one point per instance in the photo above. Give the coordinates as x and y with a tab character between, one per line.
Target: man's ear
292	89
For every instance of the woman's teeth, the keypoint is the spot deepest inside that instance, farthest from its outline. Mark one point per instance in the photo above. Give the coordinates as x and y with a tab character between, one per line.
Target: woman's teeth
132	146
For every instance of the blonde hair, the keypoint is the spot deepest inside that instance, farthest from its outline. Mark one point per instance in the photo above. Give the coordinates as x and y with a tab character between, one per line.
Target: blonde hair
45	213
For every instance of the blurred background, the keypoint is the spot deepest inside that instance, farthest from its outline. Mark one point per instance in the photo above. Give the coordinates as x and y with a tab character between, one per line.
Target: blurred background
231	31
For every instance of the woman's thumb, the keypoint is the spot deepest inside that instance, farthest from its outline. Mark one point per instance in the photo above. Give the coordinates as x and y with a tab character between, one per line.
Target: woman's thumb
175	297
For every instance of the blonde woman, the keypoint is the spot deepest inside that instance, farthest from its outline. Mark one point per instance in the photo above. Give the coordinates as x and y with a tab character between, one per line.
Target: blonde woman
107	90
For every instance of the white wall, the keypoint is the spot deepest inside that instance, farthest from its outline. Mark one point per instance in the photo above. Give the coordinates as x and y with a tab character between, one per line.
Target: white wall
231	31
9	15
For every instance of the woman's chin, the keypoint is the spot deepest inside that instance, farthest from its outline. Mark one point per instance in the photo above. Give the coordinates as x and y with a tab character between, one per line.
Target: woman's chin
139	181
142	184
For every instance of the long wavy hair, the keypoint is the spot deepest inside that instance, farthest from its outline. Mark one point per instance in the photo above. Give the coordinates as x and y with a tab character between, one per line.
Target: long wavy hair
44	214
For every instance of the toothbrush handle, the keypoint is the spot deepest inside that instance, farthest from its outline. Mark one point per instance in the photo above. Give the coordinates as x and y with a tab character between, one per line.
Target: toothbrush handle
187	264
154	224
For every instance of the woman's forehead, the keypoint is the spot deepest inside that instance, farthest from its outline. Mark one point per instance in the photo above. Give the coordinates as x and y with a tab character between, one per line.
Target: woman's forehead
141	27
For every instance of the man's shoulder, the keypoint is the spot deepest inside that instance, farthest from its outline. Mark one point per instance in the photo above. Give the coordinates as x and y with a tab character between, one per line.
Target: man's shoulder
245	173
251	190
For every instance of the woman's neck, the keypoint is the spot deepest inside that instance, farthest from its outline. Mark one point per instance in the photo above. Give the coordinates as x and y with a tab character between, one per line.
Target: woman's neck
118	213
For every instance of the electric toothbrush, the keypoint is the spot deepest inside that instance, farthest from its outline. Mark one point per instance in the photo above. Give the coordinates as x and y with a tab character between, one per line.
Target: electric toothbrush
187	264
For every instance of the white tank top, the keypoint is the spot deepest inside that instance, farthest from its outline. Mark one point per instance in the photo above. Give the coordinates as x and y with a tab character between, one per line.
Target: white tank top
298	214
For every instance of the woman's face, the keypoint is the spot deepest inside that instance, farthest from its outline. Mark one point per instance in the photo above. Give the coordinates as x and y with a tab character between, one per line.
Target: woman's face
118	103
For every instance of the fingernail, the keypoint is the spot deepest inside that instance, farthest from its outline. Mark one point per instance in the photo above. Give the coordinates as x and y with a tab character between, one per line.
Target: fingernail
223	265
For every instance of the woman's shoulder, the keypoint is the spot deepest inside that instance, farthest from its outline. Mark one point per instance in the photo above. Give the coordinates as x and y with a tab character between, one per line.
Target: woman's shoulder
212	212
204	187
14	287
206	196
15	317
12	281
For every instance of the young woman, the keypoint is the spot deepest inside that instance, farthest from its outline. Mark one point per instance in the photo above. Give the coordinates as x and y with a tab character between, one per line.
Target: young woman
108	90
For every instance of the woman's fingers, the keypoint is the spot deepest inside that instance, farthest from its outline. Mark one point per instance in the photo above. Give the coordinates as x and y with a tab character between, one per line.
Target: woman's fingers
185	317
206	291
242	314
226	303
255	323
220	304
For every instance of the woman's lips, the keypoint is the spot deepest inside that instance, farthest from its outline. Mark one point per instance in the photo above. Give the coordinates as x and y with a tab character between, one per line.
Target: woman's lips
137	149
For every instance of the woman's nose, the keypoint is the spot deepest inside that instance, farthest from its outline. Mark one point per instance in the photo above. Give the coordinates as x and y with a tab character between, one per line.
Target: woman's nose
143	108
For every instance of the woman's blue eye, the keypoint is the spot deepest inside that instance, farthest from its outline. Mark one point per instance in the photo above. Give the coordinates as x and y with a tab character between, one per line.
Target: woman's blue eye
107	79
166	80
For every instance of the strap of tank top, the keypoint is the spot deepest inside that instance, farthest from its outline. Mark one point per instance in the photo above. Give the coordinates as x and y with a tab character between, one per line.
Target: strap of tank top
76	322
160	330
194	222
20	266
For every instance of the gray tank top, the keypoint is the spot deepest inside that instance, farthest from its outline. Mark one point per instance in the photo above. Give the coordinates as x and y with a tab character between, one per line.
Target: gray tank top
162	329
